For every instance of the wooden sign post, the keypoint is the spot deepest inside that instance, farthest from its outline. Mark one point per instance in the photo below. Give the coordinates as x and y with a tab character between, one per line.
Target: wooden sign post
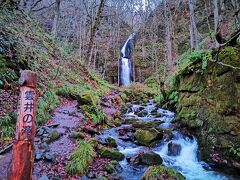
23	147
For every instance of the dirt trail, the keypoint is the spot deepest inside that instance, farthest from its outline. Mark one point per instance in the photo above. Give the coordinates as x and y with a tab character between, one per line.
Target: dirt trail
69	118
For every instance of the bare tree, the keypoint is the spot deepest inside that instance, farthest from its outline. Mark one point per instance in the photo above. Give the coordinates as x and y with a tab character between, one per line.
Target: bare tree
168	33
56	18
194	37
93	31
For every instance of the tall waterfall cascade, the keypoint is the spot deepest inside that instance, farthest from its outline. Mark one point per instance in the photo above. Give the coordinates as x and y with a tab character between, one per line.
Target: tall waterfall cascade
126	63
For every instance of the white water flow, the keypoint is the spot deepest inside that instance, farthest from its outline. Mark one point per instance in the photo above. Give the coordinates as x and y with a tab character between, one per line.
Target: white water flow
186	162
126	62
125	75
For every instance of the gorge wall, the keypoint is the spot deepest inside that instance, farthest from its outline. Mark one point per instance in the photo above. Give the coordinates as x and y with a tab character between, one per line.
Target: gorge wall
209	106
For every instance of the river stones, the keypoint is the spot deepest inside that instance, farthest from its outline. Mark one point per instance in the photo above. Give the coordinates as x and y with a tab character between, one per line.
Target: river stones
151	158
146	137
111	142
142	113
146	124
38	155
76	135
162	173
111	154
44	146
174	149
111	167
134	160
130	120
50	157
53	136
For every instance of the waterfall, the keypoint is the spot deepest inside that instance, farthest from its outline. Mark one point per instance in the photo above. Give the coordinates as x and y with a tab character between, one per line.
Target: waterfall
125	64
125	76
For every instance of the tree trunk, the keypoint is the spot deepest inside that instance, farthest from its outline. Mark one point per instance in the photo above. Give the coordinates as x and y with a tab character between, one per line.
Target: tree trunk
56	18
168	31
193	27
94	29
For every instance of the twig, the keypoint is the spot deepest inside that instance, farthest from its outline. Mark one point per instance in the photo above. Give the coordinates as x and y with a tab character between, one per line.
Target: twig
6	148
223	64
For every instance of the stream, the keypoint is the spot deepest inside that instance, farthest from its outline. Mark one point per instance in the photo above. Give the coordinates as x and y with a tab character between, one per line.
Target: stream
187	161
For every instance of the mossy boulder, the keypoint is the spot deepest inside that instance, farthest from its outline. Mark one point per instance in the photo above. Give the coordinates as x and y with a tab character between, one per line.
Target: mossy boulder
76	135
162	173
111	167
111	154
151	158
53	136
94	142
111	142
88	97
147	137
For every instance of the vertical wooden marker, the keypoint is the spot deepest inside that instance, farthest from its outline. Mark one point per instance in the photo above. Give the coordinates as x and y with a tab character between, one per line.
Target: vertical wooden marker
23	147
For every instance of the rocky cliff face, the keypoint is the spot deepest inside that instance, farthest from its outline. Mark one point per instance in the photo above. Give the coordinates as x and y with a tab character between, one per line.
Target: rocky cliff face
209	106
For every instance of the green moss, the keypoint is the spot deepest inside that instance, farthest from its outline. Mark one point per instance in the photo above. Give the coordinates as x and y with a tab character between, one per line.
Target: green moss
208	103
112	154
94	142
161	172
76	134
111	142
123	96
81	159
88	97
146	137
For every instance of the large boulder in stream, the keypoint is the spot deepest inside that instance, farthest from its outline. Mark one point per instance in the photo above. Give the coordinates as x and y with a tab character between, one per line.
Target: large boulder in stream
174	149
147	137
142	113
162	173
151	158
111	154
111	142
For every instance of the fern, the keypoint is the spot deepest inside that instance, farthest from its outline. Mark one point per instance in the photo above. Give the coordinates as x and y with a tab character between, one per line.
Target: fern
81	159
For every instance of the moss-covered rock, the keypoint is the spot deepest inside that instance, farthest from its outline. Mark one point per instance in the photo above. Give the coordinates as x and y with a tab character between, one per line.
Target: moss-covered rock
151	158
53	136
94	142
87	97
162	173
111	142
146	137
111	167
111	154
76	135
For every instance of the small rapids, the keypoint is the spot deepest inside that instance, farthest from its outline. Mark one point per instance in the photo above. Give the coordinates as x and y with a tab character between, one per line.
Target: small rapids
187	161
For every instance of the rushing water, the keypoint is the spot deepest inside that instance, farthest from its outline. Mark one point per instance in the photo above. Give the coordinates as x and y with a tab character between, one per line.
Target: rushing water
125	76
187	162
125	62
